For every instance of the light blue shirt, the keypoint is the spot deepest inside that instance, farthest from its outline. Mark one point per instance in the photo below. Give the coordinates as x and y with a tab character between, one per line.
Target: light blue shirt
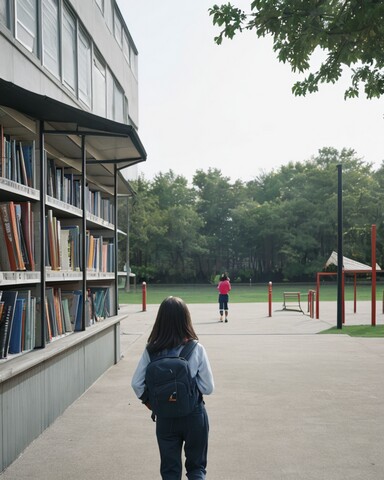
198	364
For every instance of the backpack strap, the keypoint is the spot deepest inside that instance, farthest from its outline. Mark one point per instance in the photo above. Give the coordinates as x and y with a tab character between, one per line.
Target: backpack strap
188	349
185	352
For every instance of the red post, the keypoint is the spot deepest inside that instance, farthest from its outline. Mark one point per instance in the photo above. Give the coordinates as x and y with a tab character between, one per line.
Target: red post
354	293
317	296
373	299
270	299
144	291
311	303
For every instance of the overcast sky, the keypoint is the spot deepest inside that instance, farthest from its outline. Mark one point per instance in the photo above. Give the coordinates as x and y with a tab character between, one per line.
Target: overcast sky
230	107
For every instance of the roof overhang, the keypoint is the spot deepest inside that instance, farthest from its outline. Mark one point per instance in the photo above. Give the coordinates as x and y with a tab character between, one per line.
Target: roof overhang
350	265
108	143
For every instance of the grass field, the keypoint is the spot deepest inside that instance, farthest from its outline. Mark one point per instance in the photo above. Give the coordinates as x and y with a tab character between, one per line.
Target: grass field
243	293
357	331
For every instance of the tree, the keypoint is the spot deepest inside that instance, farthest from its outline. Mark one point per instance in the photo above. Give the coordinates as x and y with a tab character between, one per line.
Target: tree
350	32
215	198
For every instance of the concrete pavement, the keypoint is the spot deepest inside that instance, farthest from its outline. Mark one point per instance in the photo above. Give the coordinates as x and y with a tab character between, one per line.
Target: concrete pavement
288	404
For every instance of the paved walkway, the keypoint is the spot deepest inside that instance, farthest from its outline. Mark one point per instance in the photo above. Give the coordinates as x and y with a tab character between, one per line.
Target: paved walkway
288	405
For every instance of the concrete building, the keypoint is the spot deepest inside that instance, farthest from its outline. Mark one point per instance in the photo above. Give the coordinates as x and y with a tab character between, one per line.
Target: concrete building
69	94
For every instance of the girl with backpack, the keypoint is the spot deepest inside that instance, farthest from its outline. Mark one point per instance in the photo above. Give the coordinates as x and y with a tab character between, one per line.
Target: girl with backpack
171	332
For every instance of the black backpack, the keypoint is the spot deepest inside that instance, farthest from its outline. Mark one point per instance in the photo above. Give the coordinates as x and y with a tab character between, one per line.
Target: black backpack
171	390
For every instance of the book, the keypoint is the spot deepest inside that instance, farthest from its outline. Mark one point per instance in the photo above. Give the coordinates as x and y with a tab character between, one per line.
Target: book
5	264
2	152
38	337
27	227
20	235
59	183
53	244
15	342
28	153
51	313
28	336
72	244
23	179
65	249
9	299
51	178
72	298
66	315
12	237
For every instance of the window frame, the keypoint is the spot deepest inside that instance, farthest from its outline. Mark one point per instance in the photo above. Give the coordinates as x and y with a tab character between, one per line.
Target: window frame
66	11
34	34
85	97
45	52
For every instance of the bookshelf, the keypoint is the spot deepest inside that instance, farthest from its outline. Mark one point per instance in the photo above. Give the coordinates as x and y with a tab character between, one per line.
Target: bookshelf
60	279
59	183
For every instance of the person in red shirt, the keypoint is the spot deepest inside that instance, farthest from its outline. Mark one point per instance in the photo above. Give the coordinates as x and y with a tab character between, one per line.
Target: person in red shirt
224	287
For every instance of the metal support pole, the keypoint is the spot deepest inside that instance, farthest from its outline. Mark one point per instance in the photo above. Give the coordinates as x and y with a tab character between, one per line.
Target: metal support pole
127	262
339	248
373	298
116	263
43	187
83	232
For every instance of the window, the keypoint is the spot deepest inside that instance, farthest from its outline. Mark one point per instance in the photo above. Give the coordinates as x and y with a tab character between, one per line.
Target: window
126	48
4	12
115	99
100	4
69	49
108	14
118	100
110	86
84	68
134	62
99	86
51	55
26	24
118	29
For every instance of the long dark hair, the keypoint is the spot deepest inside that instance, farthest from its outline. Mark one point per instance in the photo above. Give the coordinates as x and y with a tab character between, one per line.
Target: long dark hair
173	326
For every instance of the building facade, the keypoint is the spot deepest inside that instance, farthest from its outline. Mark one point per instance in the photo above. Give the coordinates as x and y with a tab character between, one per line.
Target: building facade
79	53
68	131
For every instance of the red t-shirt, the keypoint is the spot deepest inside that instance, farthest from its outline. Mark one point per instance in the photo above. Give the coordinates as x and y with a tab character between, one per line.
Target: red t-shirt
224	287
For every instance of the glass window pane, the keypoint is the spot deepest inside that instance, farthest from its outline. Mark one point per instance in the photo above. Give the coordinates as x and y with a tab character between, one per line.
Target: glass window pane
69	50
134	63
110	87
99	88
100	4
26	23
118	29
118	104
4	12
51	36
126	47
108	14
84	68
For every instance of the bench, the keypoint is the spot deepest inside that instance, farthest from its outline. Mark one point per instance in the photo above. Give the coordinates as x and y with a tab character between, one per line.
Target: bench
292	301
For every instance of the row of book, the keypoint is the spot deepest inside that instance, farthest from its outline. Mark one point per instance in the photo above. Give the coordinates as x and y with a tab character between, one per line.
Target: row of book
65	185
18	164
17	236
64	248
17	322
100	254
17	160
20	318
